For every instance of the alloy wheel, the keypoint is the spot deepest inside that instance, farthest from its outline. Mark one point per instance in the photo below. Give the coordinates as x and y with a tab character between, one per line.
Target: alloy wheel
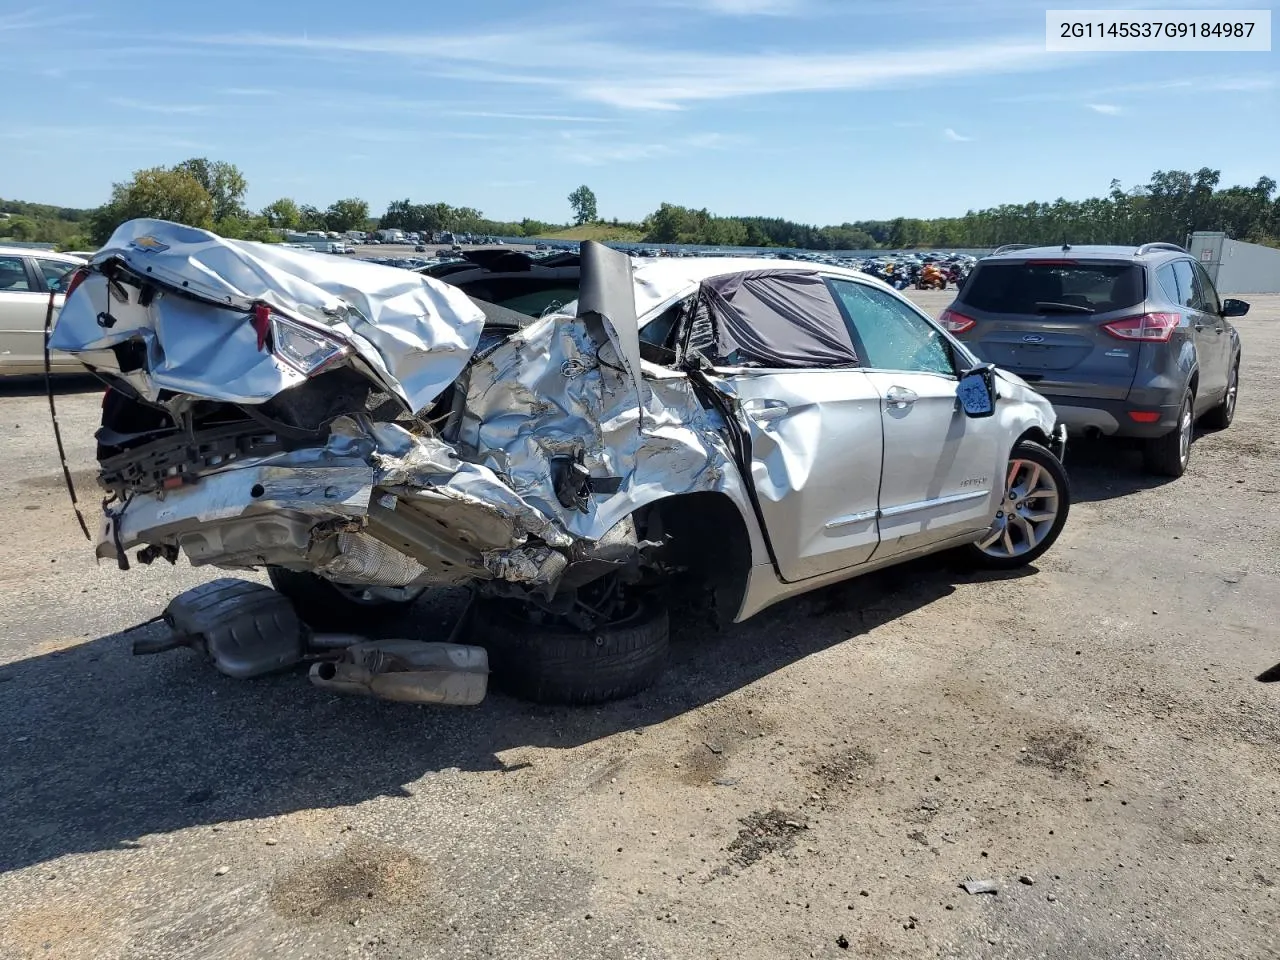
1027	511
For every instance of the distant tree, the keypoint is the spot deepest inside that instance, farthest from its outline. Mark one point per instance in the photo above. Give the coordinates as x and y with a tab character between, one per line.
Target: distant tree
583	202
310	218
223	181
282	213
158	192
346	215
19	228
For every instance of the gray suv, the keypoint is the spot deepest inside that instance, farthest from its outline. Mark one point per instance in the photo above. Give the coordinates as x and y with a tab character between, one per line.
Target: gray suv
1124	342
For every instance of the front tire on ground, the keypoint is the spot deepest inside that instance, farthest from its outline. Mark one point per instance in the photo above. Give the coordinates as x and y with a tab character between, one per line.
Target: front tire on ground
555	663
1168	456
1037	499
327	606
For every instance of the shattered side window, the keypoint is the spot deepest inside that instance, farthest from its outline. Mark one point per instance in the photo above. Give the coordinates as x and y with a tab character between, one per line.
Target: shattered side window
892	336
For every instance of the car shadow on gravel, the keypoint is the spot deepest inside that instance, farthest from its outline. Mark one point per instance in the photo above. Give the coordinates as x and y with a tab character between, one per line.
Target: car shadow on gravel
100	748
1107	470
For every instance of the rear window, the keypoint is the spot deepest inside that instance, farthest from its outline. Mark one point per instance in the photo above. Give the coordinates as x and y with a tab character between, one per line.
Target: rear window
1031	287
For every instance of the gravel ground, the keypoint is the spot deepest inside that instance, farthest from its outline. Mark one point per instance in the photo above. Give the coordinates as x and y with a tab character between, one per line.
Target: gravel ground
816	782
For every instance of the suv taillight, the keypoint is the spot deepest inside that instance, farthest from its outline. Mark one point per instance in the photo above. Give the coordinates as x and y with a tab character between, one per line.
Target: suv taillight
954	321
1155	327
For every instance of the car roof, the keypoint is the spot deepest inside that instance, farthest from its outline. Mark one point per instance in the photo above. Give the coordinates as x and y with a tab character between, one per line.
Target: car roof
38	252
1090	252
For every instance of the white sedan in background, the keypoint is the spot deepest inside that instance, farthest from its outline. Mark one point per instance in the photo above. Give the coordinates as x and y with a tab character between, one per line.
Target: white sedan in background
26	278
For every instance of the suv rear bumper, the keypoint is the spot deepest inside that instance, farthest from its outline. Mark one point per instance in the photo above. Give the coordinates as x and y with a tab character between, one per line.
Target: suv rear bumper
1114	418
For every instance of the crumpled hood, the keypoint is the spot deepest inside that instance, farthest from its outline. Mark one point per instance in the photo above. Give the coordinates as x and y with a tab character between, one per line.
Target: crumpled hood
415	334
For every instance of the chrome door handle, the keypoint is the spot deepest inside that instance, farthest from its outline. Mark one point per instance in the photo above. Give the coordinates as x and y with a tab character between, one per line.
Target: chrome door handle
765	410
900	397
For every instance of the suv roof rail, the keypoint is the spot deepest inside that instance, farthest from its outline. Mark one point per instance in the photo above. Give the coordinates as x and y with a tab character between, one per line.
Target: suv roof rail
1148	247
1005	248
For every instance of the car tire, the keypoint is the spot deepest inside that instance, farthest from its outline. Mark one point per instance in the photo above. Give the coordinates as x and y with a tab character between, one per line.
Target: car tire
1056	482
557	664
1168	455
1220	417
326	606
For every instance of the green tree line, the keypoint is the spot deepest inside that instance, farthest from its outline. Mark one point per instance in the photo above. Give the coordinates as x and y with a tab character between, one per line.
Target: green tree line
209	193
1169	206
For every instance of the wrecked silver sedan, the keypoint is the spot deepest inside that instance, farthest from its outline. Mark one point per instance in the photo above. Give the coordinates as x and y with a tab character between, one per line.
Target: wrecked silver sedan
728	432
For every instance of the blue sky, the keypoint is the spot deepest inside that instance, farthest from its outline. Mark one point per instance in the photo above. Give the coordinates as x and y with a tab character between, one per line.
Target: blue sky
815	110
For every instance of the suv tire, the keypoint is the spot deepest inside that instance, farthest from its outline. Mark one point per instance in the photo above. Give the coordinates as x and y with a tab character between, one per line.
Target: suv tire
1220	417
1168	456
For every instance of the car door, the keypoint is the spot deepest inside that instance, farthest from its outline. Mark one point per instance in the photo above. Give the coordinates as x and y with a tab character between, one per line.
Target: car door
942	470
783	358
1213	381
816	447
1219	344
22	313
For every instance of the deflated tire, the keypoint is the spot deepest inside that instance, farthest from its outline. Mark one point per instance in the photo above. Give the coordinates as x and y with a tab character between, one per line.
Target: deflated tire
554	663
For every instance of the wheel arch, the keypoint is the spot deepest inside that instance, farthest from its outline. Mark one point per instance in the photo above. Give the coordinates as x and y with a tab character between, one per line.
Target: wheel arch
1034	433
707	534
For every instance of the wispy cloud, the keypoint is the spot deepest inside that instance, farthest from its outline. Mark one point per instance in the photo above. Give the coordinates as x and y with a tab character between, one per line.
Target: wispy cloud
144	141
249	92
169	109
553	117
955	137
1110	109
37	19
743	8
1240	83
594	150
645	78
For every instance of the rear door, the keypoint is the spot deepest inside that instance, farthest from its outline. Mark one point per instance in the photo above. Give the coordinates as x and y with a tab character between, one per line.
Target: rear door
1217	347
22	312
1042	319
784	358
816	450
1192	301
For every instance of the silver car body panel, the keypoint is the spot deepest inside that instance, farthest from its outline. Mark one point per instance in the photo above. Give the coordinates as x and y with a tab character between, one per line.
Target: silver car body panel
414	334
389	504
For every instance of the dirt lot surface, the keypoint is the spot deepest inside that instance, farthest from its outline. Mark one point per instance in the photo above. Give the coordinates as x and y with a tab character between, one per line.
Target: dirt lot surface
816	782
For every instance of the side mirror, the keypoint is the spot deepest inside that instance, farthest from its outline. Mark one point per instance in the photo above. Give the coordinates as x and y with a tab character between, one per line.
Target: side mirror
977	391
1234	308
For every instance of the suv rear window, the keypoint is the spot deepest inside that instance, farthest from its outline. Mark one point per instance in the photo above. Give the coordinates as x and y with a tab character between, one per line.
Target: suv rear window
1028	287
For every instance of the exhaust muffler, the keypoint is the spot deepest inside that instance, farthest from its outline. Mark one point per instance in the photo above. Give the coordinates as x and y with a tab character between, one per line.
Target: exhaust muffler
408	671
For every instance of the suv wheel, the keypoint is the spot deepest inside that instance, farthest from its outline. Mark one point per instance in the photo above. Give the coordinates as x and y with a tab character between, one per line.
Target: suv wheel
1220	417
1168	455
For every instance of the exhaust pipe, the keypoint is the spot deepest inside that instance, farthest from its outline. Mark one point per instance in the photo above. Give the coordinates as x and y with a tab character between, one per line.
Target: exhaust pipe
408	671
